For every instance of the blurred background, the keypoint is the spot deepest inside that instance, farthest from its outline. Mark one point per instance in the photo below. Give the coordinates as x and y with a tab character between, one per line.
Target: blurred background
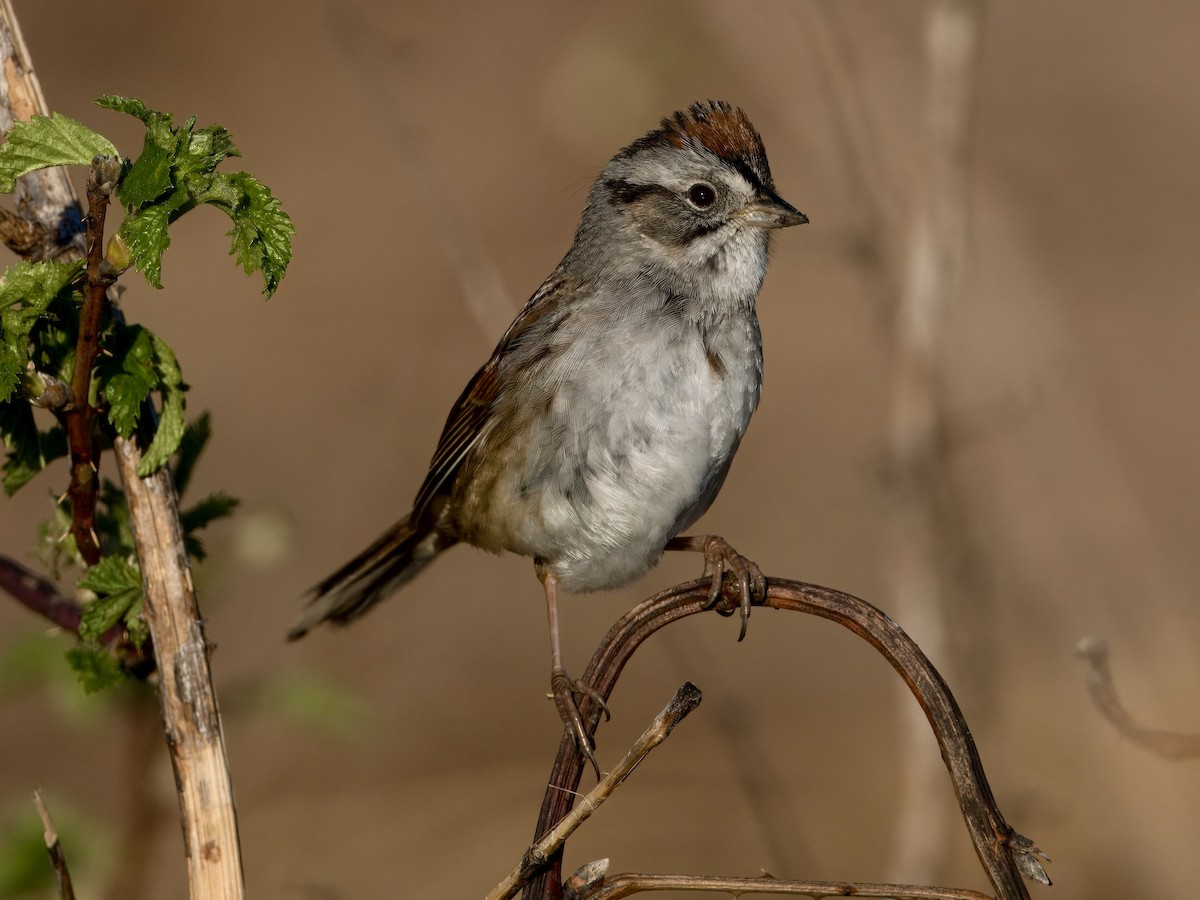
434	158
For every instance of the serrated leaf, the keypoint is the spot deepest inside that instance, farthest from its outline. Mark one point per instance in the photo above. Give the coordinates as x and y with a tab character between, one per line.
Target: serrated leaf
29	450
36	283
148	178
118	585
206	149
42	142
215	506
135	625
28	289
171	423
12	364
96	668
262	231
129	105
112	575
195	437
104	612
20	434
129	387
145	234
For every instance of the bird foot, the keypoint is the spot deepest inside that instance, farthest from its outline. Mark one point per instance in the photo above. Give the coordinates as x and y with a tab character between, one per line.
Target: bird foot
719	558
564	689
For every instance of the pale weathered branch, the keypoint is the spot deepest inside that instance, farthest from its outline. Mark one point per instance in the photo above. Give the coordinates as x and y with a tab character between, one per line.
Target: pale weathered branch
46	198
58	859
188	700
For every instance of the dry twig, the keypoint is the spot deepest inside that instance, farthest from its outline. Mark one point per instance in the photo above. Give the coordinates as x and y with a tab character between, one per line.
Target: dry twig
1167	744
686	699
58	859
629	884
1004	854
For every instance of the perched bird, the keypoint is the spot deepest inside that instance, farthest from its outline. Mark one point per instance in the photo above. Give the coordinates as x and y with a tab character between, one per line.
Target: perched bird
605	421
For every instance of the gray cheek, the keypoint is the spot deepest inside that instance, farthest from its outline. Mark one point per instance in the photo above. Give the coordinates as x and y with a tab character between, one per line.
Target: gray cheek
658	218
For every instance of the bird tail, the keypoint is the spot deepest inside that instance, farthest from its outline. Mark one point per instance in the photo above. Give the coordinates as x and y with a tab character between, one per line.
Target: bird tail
392	561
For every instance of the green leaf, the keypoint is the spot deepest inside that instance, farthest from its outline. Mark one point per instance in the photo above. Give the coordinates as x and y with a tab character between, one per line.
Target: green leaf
176	170
149	177
118	585
28	289
195	437
145	234
214	506
130	105
36	283
128	388
29	450
104	612
202	152
42	142
95	667
135	625
112	575
262	231
171	423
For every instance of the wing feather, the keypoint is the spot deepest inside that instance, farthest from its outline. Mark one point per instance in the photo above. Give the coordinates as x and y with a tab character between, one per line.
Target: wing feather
469	416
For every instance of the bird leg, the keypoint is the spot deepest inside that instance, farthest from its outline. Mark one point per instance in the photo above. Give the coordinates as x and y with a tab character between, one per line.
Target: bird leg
719	557
562	686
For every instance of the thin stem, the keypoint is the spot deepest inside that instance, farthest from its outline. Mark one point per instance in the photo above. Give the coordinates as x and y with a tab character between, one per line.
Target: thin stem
626	885
686	699
58	859
41	595
82	438
1167	744
1004	854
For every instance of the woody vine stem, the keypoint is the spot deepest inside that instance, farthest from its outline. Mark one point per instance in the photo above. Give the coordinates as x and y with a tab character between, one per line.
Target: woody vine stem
188	702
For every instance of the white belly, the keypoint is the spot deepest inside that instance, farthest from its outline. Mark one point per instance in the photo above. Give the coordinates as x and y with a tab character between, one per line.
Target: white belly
633	448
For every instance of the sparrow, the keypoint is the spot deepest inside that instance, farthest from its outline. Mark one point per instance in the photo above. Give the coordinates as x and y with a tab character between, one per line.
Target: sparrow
605	421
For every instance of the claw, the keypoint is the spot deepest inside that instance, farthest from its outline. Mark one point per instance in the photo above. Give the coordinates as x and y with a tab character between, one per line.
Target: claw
720	557
564	689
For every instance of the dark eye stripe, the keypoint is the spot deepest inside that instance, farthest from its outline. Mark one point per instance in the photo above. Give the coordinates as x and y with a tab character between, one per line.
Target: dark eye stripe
628	192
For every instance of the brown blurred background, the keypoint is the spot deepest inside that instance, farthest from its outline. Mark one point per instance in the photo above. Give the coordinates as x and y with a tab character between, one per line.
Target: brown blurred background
410	141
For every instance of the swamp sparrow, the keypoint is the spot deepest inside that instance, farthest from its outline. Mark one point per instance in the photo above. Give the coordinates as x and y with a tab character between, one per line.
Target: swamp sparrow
606	419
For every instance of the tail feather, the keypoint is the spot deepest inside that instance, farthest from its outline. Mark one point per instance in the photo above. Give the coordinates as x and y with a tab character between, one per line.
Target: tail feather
390	562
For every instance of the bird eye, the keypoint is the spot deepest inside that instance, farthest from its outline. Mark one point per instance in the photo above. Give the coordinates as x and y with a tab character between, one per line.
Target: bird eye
701	195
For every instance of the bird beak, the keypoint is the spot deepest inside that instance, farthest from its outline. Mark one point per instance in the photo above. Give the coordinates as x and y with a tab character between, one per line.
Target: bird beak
769	210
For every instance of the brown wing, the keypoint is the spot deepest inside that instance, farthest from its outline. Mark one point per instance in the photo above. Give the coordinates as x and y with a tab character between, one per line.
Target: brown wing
465	424
463	428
